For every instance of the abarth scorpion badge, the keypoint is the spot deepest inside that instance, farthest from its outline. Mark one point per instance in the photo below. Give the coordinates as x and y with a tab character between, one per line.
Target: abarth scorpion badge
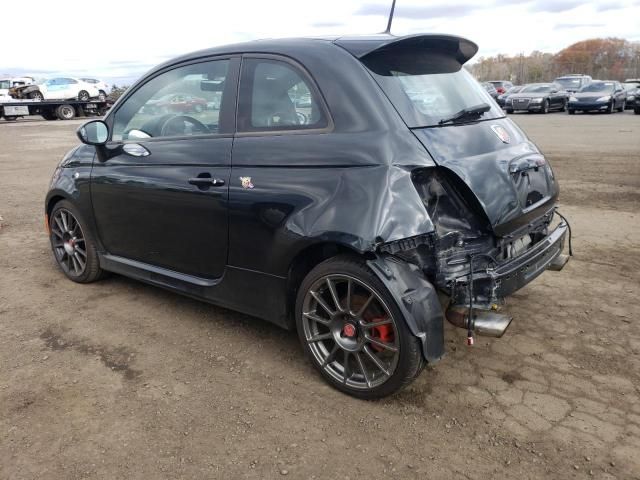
246	182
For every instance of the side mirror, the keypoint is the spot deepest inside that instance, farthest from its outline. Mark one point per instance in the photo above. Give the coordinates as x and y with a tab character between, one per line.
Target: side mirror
94	132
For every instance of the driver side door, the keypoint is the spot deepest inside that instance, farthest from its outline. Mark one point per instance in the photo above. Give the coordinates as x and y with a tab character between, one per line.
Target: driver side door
159	190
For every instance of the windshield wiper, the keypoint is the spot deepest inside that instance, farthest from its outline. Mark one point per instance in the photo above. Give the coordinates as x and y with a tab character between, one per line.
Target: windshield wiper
470	113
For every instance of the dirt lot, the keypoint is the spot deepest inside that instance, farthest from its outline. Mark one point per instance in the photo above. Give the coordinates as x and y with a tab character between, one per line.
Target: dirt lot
122	380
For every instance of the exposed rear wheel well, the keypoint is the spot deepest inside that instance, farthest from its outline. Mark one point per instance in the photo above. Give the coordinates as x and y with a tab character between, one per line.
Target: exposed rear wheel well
303	263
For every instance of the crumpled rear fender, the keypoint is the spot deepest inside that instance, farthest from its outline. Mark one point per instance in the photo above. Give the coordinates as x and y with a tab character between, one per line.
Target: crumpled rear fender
417	300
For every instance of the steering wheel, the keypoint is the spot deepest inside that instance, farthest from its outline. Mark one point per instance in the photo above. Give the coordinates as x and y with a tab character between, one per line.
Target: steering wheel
177	125
282	119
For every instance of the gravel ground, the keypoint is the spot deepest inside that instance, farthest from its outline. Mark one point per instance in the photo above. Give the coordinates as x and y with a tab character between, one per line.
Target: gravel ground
122	380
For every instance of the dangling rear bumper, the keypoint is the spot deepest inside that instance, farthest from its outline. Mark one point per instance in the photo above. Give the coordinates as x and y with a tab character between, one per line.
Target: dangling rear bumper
493	284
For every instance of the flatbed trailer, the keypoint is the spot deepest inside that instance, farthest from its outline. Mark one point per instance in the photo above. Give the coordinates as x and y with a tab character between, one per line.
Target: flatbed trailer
12	109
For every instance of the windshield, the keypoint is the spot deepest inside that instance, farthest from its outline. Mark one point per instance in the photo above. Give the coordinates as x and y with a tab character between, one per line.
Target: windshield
427	86
536	89
569	82
5	84
598	87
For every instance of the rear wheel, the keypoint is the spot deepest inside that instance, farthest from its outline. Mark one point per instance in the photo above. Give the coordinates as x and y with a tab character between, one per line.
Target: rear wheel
83	96
49	115
353	332
65	112
102	95
73	246
636	110
509	110
571	111
610	109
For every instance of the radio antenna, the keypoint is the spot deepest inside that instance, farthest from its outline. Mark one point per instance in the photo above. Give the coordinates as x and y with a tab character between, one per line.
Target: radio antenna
393	7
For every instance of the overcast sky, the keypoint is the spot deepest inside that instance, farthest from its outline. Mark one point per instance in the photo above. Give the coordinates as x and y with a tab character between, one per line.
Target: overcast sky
118	40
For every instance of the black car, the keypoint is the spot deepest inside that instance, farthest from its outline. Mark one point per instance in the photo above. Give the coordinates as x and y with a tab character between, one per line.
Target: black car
600	96
348	218
538	97
632	86
502	99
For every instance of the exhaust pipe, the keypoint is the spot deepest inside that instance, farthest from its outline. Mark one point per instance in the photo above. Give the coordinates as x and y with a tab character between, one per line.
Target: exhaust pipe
484	322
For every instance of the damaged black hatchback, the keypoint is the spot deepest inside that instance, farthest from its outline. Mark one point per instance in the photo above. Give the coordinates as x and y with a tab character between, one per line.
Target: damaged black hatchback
357	189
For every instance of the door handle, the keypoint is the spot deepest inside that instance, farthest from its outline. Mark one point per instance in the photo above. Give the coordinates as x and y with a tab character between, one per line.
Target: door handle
135	150
206	182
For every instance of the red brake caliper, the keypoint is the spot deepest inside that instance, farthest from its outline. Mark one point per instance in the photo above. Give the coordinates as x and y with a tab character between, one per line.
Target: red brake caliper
384	333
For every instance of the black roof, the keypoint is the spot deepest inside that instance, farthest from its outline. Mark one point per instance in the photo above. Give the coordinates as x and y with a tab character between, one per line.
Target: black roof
357	45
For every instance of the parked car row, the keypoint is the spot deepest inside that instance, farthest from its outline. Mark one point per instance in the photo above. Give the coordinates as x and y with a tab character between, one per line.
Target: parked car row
571	93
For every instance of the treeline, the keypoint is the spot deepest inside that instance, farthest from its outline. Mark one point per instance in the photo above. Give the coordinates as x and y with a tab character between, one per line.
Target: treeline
602	58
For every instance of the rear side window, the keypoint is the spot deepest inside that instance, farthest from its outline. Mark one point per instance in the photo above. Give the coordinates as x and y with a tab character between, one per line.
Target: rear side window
427	85
274	96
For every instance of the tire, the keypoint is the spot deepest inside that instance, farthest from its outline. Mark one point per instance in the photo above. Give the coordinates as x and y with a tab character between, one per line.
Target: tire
571	112
10	118
37	95
545	107
83	96
67	235
622	107
66	112
49	115
636	110
563	107
320	332
610	109
509	110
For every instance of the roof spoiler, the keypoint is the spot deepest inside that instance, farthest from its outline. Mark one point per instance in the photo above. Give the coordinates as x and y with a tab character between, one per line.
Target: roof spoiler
460	48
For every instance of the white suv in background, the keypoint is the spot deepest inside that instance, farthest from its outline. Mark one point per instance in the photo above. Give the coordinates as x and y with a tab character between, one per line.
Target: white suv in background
103	87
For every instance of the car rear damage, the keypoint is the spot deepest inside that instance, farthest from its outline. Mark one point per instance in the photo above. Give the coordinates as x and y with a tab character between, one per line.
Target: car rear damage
491	197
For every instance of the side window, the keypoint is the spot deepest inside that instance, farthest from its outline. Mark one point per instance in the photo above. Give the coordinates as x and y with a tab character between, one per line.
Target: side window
275	95
183	101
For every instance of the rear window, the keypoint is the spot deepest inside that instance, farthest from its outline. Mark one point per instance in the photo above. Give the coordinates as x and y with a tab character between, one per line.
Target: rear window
599	87
427	86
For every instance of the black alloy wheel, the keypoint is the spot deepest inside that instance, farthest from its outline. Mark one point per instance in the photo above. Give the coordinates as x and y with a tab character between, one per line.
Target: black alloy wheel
83	96
73	248
353	332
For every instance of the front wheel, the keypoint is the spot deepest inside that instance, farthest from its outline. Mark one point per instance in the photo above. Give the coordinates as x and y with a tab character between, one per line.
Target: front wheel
563	107
545	107
37	95
353	332
73	246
